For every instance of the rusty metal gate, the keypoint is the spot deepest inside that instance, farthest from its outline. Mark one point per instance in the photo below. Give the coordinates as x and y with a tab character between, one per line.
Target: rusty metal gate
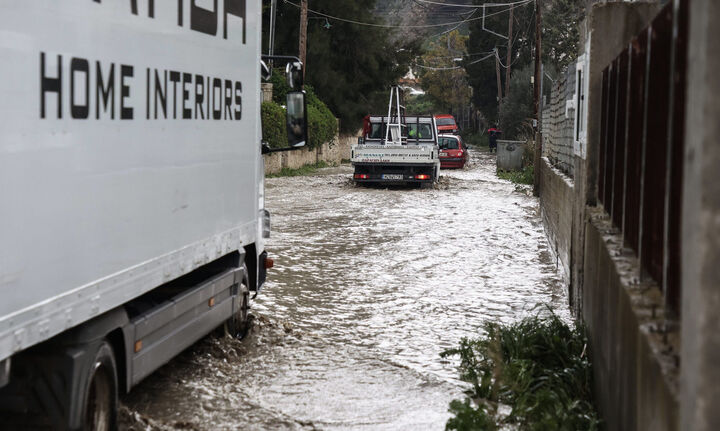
640	164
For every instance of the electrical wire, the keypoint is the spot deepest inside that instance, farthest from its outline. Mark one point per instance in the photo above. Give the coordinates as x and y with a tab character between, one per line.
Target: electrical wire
438	68
456	67
463	22
475	6
368	24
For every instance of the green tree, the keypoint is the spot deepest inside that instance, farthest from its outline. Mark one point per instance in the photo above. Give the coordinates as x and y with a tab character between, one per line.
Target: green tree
560	45
444	85
350	66
482	74
561	35
518	108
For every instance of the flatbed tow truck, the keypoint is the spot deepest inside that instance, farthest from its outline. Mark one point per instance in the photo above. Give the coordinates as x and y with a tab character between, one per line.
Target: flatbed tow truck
396	149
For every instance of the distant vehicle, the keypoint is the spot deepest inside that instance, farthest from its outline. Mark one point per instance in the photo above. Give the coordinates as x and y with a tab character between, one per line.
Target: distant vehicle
446	124
453	152
396	149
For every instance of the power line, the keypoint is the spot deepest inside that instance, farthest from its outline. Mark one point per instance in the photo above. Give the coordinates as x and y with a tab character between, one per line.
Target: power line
438	68
369	24
491	55
463	22
475	6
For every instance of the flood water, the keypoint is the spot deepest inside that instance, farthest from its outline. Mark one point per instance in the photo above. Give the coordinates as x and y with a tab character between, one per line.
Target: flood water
369	286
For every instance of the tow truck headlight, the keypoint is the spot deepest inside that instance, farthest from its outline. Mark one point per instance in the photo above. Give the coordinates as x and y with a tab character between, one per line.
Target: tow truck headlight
266	224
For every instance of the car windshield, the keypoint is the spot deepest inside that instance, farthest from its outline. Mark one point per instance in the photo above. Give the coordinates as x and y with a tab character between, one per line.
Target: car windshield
448	143
445	122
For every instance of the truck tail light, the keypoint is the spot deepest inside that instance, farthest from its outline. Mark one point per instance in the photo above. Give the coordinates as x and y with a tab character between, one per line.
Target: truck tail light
269	263
361	176
422	177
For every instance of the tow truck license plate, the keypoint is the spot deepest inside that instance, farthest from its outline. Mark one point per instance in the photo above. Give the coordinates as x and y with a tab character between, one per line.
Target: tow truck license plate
392	176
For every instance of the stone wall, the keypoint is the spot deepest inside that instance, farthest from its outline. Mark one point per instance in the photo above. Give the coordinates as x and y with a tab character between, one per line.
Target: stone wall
332	152
558	123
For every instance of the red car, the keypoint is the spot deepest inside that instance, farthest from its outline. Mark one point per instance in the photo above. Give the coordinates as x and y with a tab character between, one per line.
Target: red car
453	152
446	124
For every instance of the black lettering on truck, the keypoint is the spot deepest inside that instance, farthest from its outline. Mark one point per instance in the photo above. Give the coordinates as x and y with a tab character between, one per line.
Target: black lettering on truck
50	85
107	93
201	19
126	113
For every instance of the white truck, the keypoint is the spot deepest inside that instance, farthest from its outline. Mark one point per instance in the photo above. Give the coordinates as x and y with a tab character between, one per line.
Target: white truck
396	149
410	159
132	217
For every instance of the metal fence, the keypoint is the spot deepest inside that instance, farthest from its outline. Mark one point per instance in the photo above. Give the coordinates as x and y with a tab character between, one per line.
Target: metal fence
558	123
640	163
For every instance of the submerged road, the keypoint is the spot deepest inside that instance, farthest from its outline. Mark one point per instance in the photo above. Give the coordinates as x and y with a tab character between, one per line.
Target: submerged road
370	285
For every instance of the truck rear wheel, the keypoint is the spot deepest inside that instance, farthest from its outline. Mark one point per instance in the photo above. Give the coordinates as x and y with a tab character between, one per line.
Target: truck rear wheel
239	324
101	395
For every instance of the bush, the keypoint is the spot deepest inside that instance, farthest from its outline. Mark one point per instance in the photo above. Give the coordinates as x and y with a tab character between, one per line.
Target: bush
538	367
280	87
322	125
474	139
525	176
274	129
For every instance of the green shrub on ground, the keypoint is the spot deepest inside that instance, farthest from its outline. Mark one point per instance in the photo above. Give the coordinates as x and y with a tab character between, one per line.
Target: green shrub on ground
538	367
525	176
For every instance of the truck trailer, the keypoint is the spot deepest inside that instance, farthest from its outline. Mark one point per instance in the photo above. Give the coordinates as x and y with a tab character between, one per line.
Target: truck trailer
132	216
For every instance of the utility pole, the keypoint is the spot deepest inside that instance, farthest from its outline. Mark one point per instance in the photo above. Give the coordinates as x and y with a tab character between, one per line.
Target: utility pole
271	36
509	53
303	33
499	82
536	88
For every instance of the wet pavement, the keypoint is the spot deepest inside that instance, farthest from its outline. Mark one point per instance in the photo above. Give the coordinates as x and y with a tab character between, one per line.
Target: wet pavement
369	286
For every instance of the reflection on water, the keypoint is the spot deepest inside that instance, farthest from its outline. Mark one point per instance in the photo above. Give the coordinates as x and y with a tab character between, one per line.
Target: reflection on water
369	286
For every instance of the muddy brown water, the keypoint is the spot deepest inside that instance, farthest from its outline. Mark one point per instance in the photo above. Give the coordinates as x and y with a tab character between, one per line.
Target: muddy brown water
369	286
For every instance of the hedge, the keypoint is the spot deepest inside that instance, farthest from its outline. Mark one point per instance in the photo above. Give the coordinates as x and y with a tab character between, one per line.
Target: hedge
273	125
322	125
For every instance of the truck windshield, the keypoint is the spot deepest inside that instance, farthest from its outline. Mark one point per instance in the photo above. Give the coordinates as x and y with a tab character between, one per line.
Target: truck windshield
445	122
377	131
448	143
420	131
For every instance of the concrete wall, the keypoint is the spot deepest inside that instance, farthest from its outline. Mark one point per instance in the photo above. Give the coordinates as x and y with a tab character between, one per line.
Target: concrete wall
700	355
332	153
648	374
634	362
557	200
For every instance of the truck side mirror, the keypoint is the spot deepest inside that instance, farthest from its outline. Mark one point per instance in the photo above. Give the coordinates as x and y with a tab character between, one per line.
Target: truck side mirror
361	140
294	74
296	119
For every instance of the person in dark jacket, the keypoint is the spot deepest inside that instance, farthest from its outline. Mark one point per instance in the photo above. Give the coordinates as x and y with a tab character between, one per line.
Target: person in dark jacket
493	133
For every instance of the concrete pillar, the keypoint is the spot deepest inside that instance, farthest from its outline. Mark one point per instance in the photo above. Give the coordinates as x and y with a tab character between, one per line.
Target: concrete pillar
700	320
267	91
